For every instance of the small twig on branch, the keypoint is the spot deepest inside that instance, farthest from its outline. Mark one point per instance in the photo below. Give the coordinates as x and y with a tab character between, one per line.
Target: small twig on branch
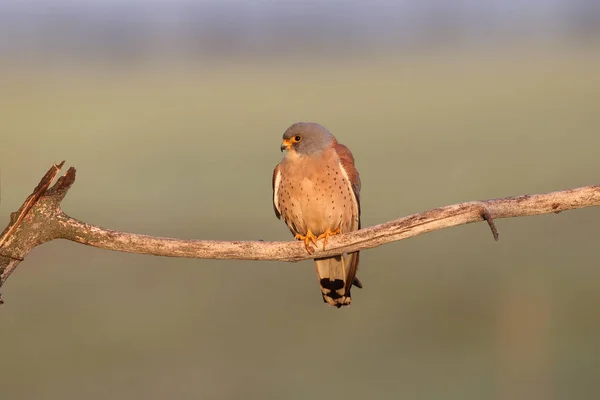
485	214
41	219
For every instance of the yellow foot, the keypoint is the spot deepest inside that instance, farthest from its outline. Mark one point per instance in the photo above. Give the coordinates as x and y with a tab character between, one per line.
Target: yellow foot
325	235
309	237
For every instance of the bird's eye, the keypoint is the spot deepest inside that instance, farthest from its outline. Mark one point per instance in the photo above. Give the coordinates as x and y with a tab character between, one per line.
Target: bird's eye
297	138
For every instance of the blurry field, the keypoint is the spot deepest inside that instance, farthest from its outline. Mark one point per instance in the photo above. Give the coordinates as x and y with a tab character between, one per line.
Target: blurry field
188	151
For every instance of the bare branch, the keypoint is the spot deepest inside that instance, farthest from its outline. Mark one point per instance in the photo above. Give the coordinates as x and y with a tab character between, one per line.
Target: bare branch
41	219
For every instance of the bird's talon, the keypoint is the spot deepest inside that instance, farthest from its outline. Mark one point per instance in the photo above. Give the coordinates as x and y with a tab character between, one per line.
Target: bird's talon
325	235
309	237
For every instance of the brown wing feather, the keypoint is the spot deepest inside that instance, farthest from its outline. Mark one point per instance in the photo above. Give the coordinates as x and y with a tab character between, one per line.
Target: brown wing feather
347	162
275	199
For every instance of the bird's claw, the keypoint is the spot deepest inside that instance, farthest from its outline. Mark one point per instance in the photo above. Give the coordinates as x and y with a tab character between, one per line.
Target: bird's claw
309	237
325	235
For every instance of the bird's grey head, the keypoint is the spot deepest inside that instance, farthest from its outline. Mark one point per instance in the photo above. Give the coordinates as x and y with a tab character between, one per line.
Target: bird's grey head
306	138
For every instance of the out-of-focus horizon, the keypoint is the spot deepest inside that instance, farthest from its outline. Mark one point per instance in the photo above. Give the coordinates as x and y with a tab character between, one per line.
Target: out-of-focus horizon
135	30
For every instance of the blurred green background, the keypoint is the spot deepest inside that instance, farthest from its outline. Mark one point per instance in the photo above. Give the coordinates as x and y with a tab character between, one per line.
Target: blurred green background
185	148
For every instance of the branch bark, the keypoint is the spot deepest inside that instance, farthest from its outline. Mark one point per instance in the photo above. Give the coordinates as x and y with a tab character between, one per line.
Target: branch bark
41	219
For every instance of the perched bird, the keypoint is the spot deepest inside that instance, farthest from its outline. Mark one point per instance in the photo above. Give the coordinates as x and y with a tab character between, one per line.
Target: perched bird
316	189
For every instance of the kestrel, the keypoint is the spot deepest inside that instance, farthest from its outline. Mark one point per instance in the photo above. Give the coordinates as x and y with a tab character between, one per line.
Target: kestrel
316	189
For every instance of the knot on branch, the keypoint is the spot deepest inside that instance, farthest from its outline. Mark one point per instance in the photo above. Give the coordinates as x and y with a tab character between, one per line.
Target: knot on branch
36	220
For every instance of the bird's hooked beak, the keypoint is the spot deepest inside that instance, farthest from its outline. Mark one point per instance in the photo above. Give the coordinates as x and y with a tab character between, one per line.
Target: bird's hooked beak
286	144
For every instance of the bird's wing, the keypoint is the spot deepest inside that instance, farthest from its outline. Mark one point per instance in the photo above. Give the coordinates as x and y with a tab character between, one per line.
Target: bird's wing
347	165
351	173
275	183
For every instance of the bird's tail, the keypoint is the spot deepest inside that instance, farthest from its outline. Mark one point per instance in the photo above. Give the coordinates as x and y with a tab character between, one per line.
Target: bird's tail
336	277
